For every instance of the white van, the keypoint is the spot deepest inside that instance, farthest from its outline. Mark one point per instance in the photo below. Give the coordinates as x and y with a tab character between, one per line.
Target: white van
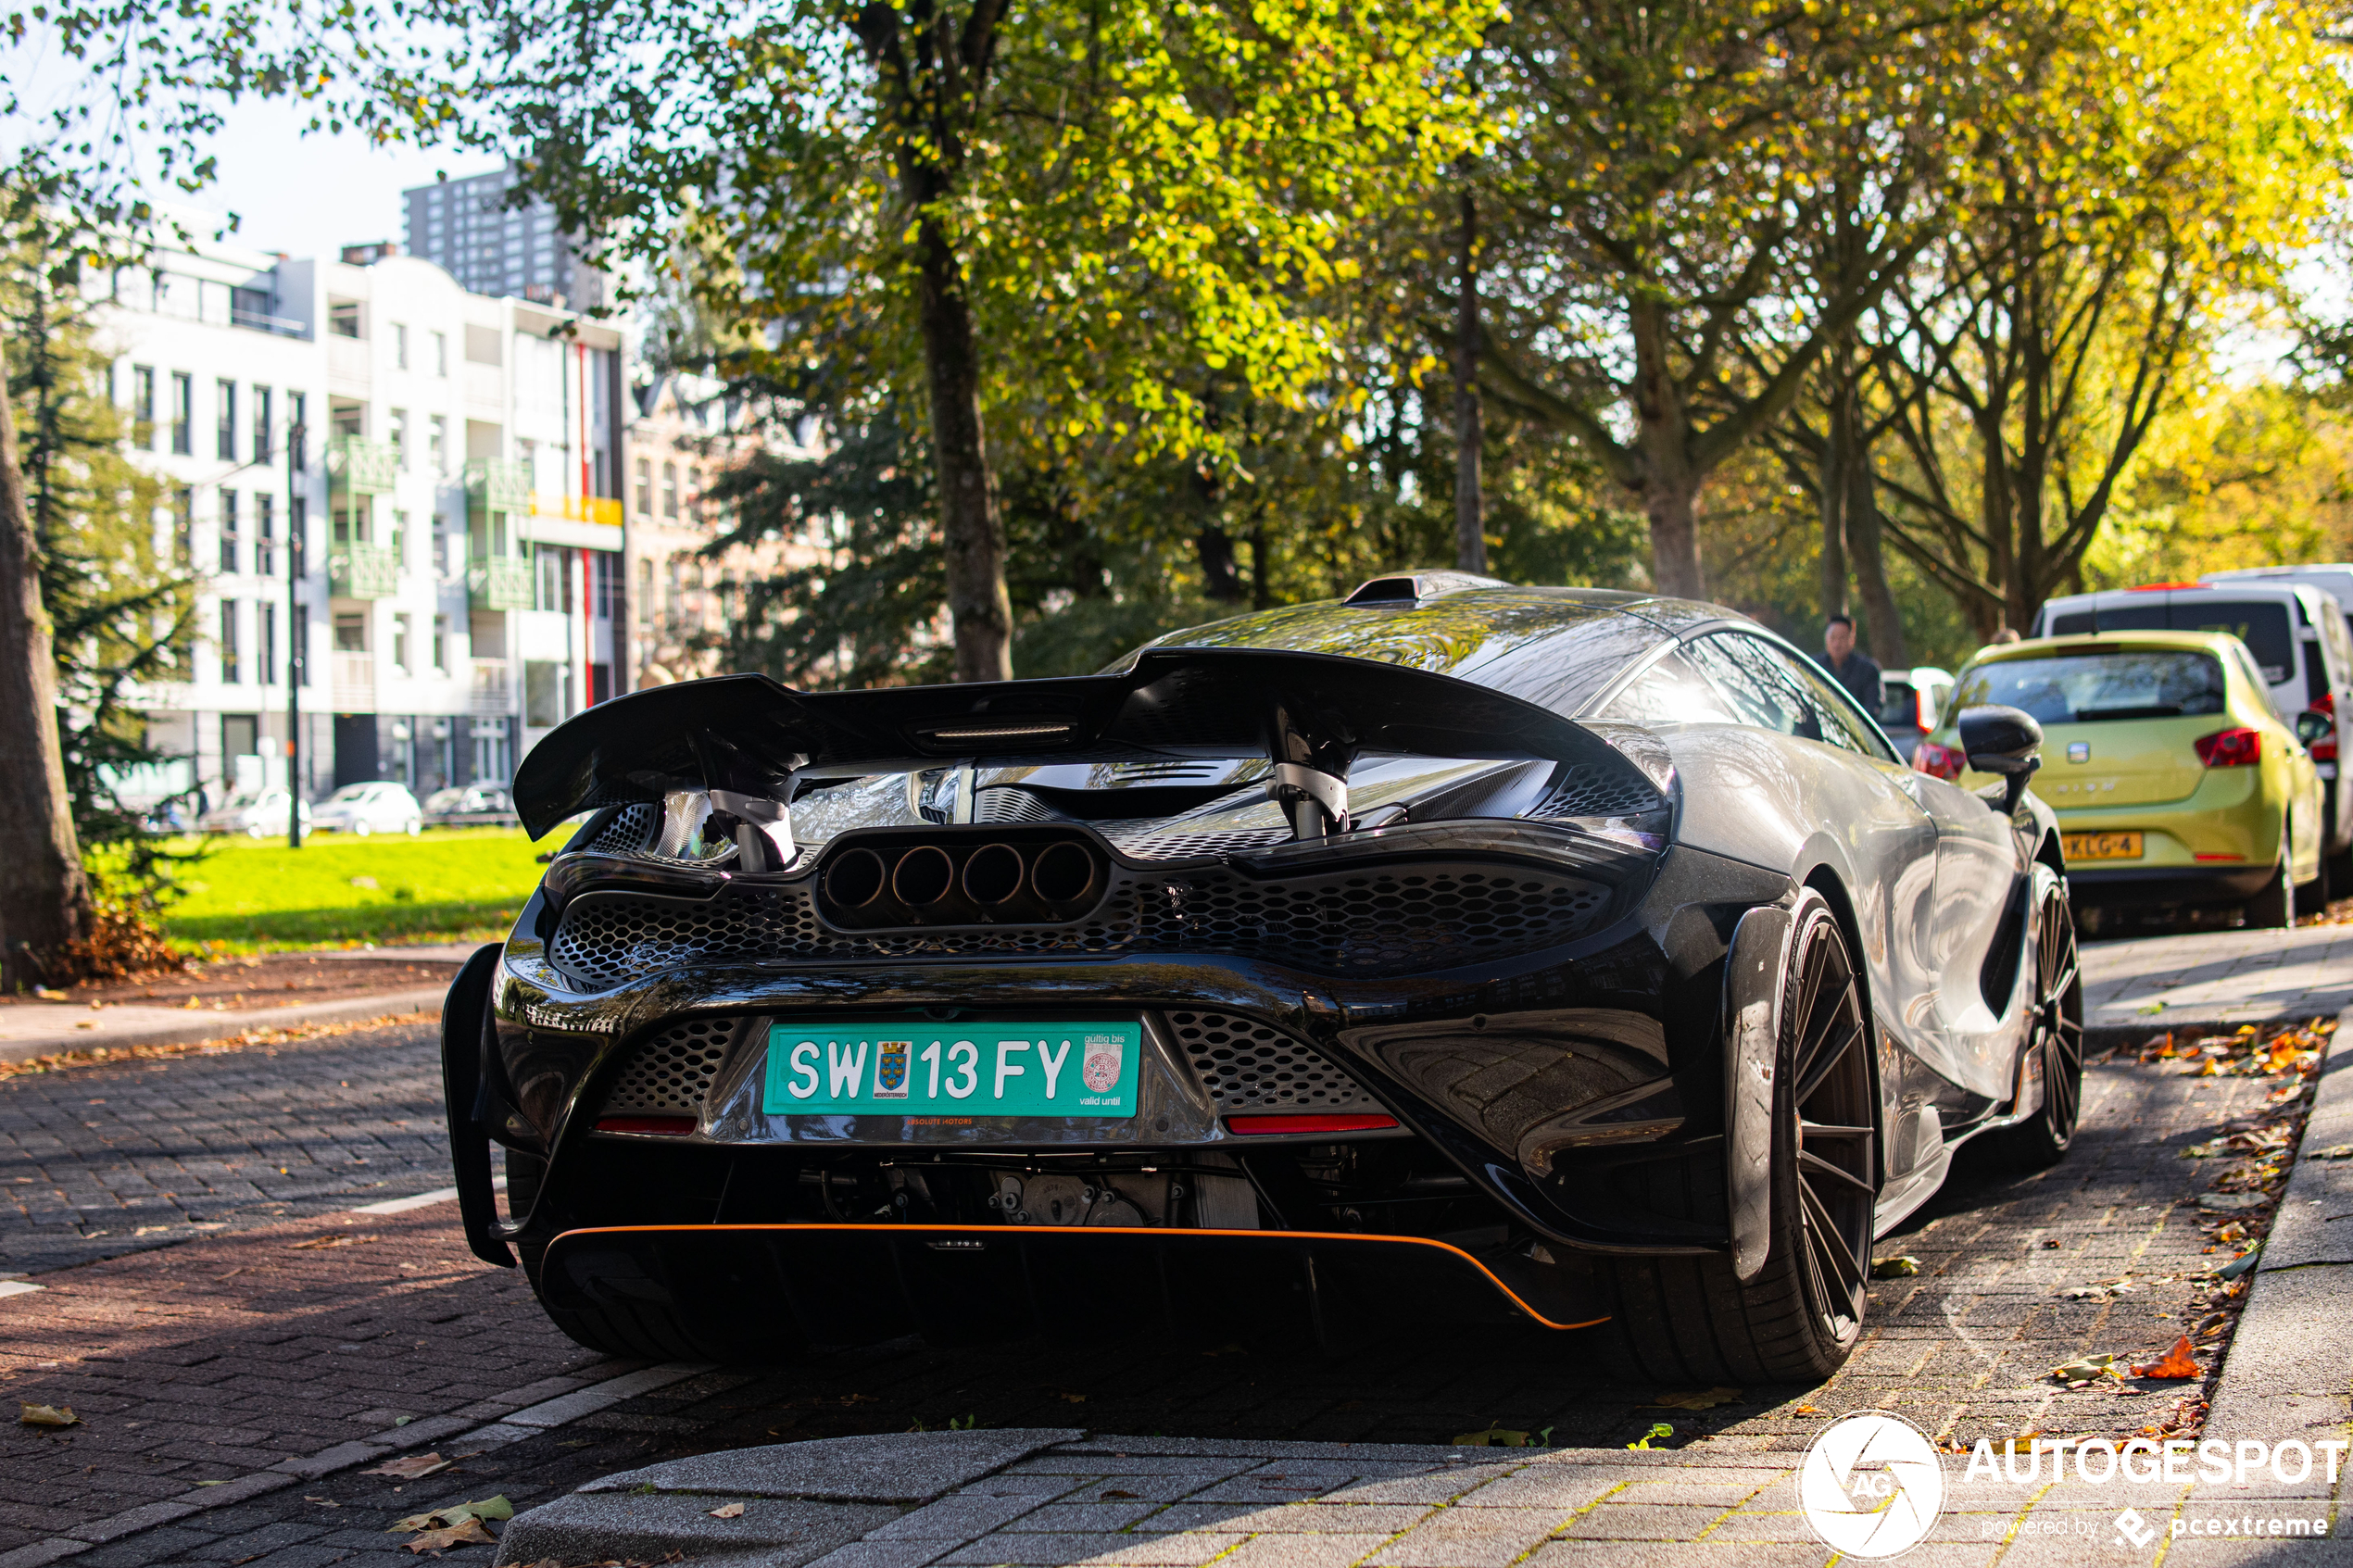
2297	633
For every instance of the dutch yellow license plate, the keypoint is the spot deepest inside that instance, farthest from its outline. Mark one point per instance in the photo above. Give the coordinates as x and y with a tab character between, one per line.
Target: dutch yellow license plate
2100	846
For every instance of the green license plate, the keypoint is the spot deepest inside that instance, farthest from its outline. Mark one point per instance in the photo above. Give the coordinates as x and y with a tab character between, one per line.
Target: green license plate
956	1072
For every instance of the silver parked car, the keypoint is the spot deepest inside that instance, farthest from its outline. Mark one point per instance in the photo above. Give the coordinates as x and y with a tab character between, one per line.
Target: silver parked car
470	806
377	806
256	813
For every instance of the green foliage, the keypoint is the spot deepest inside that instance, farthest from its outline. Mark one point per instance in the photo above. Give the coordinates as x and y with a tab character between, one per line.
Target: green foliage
120	606
252	895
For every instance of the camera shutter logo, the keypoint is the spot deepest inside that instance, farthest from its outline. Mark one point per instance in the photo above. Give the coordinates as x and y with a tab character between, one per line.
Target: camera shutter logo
1871	1485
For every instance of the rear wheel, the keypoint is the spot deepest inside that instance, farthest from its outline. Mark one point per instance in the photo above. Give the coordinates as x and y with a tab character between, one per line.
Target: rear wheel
2312	897
2055	1040
628	1317
2274	908
1799	1318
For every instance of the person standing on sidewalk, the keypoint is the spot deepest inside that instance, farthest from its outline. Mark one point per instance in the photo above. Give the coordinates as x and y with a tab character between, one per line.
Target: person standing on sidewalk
1849	666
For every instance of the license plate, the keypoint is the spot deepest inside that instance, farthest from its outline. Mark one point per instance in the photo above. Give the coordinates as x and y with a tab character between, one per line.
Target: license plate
951	1074
2100	846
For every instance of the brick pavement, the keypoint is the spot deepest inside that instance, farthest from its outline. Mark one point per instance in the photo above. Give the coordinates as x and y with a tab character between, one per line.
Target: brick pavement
2218	978
102	1160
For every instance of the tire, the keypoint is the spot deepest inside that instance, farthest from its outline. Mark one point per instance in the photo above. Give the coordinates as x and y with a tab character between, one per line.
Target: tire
2312	897
1694	1320
636	1330
415	827
2274	908
2056	1034
361	828
256	833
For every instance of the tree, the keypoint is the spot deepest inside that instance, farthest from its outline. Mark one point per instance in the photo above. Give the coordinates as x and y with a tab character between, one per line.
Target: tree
2156	171
1649	202
1094	199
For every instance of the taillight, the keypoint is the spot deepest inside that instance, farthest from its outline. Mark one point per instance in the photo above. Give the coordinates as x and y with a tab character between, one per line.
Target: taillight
1328	1121
2231	749
2324	750
1938	761
659	1126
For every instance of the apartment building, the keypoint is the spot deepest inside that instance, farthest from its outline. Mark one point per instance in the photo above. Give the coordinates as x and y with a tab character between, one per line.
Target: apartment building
470	228
401	495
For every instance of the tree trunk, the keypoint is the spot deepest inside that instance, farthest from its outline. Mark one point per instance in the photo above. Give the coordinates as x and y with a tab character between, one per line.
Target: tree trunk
1470	531
972	532
1885	622
45	899
1829	490
1673	512
1669	490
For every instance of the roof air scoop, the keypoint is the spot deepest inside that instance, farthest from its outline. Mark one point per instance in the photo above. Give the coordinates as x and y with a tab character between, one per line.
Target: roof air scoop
1408	587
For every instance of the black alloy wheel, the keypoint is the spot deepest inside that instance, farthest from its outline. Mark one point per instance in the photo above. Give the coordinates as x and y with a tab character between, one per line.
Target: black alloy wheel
2056	1035
1829	1126
1799	1317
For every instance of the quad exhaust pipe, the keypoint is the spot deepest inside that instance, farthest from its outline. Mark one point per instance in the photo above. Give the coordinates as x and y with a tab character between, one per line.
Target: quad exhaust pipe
1045	880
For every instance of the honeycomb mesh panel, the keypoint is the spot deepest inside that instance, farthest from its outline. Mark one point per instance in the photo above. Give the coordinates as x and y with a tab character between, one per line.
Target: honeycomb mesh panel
1587	790
1398	919
1149	842
1247	1065
1011	803
630	831
671	1072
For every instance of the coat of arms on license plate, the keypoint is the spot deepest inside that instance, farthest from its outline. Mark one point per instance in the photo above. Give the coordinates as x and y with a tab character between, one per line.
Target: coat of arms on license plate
1100	1069
890	1068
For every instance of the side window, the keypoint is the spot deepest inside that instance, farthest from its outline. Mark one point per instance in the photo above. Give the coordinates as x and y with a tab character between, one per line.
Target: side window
1758	689
2254	677
1671	691
1841	721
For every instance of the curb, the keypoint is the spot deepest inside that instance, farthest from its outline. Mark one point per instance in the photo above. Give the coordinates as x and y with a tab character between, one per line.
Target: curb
2289	1371
196	1025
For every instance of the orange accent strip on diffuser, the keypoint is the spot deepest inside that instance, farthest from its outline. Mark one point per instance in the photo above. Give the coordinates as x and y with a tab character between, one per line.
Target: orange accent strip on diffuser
1160	1232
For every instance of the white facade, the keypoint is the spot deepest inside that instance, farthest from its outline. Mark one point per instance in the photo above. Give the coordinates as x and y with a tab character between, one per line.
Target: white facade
459	532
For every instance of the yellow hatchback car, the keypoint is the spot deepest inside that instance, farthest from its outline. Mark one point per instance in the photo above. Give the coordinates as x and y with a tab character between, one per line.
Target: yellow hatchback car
2176	781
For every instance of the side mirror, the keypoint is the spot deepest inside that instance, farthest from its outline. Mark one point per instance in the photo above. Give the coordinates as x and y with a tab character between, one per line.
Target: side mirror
2002	740
2314	725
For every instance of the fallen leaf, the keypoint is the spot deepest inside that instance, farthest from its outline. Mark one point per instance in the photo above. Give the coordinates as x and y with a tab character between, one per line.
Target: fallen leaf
49	1415
732	1510
2232	1200
410	1468
2176	1363
1115	1492
466	1532
2086	1367
1806	1410
1705	1398
1894	1268
1074	1399
2085	1293
321	1241
2201	1150
2333	1151
2050	1244
1493	1438
453	1513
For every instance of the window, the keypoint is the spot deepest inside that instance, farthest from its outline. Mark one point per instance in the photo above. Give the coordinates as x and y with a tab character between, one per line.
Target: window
645	488
1758	689
296	420
2100	685
143	403
400	438
482	345
241	734
437	451
183	525
231	669
399	346
225	439
607	582
342	319
400	541
441	553
229	532
670	490
1671	692
400	642
441	354
183	413
440	644
552	580
489	737
261	446
351	634
297	536
266	641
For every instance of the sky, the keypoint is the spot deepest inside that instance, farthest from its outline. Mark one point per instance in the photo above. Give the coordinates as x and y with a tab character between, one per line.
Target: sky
310	195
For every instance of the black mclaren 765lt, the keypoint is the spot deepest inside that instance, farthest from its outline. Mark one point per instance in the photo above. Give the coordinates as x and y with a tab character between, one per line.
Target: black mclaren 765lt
1459	951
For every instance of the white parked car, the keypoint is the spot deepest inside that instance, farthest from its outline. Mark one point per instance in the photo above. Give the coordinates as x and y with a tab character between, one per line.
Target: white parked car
256	813
379	806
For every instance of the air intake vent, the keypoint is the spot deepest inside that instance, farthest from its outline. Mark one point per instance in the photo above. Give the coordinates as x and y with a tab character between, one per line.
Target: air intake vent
1247	1065
1587	790
629	831
672	1072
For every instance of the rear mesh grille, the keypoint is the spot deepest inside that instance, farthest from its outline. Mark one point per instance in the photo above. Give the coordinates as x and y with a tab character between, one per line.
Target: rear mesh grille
1247	1065
628	833
672	1072
1398	920
1586	790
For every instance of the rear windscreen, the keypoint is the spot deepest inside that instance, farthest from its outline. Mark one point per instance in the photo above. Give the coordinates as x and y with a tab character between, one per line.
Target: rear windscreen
2262	624
1899	705
2096	688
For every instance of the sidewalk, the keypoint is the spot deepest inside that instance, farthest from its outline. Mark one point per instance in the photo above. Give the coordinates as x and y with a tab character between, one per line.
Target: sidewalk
2217	980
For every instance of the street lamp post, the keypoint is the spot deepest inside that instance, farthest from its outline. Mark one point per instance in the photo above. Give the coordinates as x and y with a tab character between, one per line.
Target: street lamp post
298	633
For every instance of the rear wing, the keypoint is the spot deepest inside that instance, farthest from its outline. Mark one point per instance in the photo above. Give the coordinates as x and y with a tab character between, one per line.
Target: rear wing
1311	714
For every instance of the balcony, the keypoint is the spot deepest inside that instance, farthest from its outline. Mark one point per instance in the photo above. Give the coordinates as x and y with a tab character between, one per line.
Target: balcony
360	466
500	485
499	583
577	508
362	571
492	697
353	682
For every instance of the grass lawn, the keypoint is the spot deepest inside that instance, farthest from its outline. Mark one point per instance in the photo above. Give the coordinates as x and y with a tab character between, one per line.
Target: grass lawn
339	891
